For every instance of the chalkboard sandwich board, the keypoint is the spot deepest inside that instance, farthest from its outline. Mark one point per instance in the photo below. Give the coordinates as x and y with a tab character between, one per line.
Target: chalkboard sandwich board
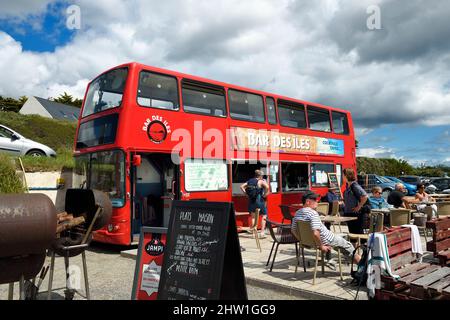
202	259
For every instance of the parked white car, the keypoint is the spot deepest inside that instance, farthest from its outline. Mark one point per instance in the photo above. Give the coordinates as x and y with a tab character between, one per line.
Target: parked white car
16	144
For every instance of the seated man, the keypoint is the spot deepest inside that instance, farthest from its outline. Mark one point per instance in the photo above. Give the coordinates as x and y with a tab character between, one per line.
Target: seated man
323	237
376	200
397	197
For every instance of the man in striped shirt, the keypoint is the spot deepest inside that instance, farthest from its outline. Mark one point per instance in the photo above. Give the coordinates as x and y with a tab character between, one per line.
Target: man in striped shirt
324	238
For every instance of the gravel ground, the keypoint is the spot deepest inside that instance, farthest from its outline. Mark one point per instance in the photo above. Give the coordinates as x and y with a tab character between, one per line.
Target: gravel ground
111	277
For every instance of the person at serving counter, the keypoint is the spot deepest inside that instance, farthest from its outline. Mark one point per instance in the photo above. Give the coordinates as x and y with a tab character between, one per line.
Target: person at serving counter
257	190
422	196
376	201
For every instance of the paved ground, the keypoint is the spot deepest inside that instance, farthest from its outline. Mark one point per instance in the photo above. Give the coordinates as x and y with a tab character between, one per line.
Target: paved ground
111	276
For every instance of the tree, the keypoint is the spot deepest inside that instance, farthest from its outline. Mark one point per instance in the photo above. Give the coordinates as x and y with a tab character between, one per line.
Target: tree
11	104
68	99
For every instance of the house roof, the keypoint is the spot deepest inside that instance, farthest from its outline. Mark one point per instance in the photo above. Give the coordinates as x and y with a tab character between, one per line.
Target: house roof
60	111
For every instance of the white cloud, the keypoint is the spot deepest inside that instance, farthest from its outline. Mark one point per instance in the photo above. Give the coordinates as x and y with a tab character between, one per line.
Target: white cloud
379	152
20	9
278	46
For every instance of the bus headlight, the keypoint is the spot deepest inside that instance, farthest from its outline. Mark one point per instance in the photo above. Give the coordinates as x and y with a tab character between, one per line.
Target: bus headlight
110	227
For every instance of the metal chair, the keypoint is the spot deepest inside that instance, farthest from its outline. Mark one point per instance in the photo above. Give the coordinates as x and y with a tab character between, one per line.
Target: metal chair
282	235
399	217
285	211
305	236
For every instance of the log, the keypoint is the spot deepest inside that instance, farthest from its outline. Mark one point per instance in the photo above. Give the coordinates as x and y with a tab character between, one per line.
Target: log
69	224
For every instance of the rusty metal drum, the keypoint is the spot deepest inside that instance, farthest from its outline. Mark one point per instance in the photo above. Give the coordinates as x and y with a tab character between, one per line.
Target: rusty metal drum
27	229
84	201
27	224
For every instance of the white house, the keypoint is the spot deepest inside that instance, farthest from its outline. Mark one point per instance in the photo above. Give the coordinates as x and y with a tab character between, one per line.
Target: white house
50	109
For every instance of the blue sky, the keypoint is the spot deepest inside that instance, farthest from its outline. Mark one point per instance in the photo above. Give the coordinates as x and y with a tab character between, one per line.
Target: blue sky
395	80
42	32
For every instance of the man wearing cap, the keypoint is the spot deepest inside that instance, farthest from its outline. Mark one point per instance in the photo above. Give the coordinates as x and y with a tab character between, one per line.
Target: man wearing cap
323	237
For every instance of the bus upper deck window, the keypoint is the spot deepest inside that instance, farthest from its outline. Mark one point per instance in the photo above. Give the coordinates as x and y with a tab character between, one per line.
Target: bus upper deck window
157	91
340	122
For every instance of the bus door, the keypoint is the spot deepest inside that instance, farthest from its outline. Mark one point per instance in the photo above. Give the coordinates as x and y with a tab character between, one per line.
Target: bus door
155	185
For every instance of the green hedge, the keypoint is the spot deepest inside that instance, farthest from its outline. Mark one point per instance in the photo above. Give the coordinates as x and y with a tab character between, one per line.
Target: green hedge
9	180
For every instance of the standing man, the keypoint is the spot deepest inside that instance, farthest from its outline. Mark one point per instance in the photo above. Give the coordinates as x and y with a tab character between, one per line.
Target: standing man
323	237
257	191
354	198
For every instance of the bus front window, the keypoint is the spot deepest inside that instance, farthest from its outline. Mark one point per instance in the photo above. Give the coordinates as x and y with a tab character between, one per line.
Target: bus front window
105	92
106	173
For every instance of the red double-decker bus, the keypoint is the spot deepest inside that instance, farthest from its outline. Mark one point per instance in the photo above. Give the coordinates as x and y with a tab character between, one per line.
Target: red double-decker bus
147	136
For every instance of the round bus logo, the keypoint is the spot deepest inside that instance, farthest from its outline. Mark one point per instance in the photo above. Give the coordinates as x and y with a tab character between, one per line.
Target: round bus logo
155	247
157	131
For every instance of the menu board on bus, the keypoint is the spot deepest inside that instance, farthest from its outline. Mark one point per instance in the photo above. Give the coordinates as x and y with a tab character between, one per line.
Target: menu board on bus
203	258
205	175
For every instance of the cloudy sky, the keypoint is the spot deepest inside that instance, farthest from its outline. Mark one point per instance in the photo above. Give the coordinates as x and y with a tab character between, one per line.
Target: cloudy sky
392	73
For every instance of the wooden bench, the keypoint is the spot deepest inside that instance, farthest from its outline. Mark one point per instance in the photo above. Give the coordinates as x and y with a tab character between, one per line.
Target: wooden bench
417	281
440	245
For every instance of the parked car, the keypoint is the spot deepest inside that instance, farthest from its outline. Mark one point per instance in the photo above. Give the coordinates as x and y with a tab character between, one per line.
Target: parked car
412	189
415	180
441	184
369	181
16	144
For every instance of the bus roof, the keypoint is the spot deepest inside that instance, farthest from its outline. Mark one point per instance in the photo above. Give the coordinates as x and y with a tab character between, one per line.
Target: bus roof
219	83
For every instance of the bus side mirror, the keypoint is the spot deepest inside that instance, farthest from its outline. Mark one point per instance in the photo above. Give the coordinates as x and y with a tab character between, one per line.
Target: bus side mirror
137	160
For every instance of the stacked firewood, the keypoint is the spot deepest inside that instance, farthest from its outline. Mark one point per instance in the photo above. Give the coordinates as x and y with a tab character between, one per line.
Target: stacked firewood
67	221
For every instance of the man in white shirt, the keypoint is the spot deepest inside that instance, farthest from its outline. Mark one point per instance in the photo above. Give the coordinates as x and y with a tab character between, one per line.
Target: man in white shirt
324	238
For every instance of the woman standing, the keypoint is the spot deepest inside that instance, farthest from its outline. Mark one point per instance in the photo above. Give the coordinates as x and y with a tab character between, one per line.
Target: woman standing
355	198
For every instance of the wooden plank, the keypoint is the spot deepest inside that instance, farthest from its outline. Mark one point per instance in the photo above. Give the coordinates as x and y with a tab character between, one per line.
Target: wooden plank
438	246
412	277
399	248
431	278
446	290
441	284
402	260
397	234
441	234
439	224
411	269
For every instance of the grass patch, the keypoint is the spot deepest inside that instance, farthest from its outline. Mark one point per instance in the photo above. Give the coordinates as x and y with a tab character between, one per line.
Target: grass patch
9	180
54	133
64	159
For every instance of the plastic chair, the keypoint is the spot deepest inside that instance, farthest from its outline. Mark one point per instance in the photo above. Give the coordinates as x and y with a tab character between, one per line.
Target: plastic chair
285	211
335	212
323	208
282	235
399	217
443	209
305	236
